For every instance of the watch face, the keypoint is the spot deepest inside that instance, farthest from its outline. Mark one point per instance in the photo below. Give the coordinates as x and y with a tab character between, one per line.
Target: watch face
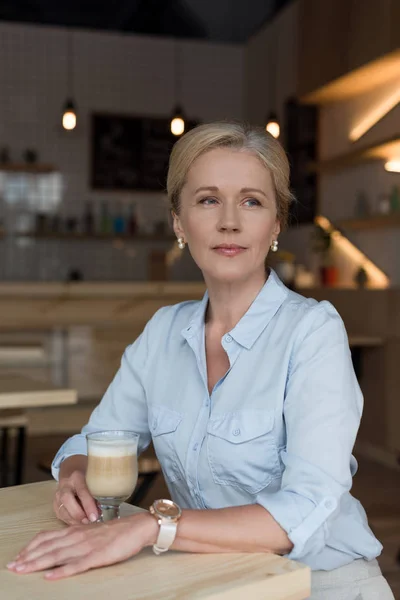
167	508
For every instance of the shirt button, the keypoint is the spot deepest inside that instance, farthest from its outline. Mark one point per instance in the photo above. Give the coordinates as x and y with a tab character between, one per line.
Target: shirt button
195	447
328	504
228	338
236	432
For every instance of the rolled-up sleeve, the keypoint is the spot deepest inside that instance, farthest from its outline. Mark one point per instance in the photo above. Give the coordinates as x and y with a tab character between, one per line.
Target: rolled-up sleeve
123	406
322	412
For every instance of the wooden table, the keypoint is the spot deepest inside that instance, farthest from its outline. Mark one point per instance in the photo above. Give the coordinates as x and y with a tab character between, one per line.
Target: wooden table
26	510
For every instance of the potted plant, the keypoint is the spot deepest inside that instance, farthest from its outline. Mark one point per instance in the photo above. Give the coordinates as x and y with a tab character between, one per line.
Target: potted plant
322	245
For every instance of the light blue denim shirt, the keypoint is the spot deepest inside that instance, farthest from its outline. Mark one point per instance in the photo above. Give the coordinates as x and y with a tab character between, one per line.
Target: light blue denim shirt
278	429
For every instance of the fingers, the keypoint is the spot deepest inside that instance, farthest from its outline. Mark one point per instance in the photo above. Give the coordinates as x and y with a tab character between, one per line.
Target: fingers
42	544
67	507
73	502
72	568
61	556
88	502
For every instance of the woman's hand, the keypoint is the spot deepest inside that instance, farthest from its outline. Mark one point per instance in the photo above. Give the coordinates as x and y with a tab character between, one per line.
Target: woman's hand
80	548
73	502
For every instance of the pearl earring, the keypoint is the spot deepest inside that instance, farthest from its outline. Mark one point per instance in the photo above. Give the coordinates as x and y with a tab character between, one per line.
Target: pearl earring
274	246
181	243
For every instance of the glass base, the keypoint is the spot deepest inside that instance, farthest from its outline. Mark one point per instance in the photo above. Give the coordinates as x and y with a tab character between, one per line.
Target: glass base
108	513
109	508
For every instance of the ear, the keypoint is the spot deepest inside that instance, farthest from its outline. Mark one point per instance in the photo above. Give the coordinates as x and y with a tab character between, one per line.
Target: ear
176	224
277	229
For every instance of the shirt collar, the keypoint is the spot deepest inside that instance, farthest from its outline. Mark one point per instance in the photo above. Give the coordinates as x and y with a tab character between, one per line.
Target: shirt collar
254	321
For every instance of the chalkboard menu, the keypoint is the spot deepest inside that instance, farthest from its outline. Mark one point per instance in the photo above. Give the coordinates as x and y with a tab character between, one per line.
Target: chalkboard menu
130	153
301	145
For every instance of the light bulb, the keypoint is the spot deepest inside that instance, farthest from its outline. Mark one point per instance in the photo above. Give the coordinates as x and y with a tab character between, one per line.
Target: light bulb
69	115
177	125
393	166
69	120
273	128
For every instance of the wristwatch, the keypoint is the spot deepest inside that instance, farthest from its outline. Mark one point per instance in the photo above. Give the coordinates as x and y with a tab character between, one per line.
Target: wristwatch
167	514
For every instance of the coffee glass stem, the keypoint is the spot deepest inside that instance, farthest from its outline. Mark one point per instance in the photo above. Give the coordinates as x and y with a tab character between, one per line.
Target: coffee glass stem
108	513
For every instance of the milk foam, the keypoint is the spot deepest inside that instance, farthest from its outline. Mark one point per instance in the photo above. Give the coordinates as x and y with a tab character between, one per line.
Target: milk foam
112	448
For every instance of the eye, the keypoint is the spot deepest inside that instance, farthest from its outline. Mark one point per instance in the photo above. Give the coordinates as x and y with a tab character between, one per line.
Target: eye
207	201
252	202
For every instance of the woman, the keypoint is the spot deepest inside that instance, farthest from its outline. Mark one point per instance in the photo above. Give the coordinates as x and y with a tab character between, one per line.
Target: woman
249	396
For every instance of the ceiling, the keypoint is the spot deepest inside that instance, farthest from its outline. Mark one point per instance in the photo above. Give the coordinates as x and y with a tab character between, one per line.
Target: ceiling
216	20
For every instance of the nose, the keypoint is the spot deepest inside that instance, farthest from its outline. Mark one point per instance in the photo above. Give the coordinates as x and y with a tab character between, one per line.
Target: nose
229	218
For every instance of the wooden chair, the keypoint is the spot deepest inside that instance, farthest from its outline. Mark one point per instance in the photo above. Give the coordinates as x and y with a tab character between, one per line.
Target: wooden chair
12	420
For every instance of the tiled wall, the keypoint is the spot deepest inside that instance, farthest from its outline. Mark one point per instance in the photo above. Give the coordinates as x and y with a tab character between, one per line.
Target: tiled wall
112	73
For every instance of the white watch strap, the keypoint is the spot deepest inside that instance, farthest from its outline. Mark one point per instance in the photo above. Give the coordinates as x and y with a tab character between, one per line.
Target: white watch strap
165	537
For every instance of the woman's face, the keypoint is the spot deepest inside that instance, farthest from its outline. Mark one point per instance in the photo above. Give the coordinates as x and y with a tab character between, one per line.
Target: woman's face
228	214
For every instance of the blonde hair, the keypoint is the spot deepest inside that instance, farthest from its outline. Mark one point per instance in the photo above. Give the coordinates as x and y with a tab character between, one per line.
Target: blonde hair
236	136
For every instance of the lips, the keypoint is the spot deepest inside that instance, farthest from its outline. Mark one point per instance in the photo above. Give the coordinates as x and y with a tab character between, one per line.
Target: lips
229	249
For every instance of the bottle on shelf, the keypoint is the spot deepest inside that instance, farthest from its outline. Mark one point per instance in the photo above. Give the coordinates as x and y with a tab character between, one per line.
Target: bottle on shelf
88	219
2	204
105	219
383	204
362	208
132	220
71	225
119	222
55	225
395	199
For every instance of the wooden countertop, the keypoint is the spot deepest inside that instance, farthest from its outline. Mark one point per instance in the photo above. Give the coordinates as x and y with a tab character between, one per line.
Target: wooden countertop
17	391
82	289
46	306
26	510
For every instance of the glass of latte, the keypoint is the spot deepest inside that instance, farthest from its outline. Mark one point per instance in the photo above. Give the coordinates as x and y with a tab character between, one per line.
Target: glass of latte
112	469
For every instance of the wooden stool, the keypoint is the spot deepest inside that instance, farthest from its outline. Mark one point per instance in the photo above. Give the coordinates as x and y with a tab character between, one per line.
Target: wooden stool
9	420
148	469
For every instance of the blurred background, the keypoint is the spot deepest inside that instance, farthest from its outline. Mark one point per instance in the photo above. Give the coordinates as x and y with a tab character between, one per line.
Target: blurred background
92	99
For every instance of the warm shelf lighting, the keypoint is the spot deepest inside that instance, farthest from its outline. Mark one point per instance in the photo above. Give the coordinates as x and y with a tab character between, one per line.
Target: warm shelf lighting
376	276
272	125
374	115
393	166
361	81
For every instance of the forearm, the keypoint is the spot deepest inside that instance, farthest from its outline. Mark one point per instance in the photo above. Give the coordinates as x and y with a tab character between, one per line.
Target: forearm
236	529
78	462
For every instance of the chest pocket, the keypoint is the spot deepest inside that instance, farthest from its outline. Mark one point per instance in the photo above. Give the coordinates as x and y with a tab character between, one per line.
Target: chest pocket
164	426
242	450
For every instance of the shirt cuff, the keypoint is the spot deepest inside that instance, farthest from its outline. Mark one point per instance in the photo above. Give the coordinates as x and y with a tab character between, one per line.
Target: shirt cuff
303	520
75	445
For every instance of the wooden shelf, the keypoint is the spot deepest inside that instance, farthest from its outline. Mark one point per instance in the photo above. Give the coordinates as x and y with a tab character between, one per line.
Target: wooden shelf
372	222
139	237
36	168
356	82
371	153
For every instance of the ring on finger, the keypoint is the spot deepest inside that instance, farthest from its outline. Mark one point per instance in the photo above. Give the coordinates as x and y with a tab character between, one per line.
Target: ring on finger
60	507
